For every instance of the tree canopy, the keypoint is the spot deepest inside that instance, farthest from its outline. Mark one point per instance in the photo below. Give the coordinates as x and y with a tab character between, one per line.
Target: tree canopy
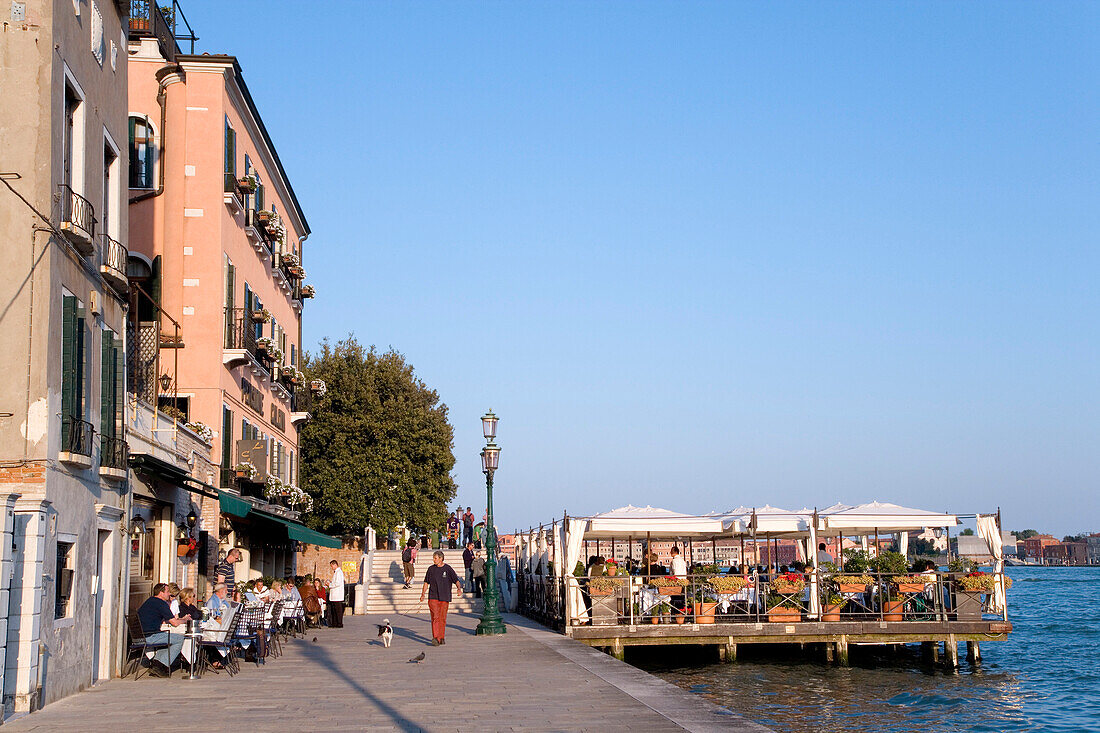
378	449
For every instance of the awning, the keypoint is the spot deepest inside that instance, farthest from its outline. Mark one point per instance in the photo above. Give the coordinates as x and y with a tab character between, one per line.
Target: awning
233	505
301	533
171	473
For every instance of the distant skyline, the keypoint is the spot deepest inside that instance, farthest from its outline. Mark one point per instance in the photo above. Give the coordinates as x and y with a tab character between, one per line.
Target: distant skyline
697	255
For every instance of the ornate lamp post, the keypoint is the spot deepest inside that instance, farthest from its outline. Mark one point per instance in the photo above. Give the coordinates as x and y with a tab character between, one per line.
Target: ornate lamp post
491	621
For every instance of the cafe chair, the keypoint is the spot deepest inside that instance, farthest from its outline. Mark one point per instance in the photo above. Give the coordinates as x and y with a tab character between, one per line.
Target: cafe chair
139	647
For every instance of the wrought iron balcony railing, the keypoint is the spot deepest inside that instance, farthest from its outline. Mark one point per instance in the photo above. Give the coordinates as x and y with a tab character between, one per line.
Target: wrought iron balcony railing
113	452
77	219
113	266
76	435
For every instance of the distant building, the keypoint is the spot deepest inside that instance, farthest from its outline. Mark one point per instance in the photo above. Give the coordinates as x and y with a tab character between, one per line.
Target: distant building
1092	548
974	547
1034	547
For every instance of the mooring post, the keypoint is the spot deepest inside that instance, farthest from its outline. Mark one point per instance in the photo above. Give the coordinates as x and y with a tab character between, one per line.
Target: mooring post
973	653
617	649
731	650
951	652
842	650
829	655
930	651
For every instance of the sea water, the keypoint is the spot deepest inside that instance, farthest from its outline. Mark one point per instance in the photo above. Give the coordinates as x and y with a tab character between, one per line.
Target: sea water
1045	677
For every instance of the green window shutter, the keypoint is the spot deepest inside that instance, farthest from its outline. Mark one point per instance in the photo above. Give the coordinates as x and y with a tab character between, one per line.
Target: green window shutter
106	385
260	197
227	437
149	148
119	384
230	150
68	370
133	154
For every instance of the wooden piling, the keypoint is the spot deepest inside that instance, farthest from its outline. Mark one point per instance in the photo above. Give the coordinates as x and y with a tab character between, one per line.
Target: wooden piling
618	650
973	653
731	651
842	650
830	657
930	651
951	652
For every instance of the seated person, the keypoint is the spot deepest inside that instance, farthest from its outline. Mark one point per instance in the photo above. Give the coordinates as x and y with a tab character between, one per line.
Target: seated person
261	591
152	614
187	604
218	603
173	601
290	590
276	592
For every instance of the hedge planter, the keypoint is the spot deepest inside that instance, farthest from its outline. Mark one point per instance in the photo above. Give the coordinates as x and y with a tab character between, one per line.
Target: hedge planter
784	615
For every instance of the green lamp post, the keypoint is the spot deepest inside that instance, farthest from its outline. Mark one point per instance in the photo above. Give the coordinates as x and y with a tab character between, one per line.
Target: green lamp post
491	621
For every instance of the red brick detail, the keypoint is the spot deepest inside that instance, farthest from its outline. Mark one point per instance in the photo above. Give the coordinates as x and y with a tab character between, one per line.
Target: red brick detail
30	473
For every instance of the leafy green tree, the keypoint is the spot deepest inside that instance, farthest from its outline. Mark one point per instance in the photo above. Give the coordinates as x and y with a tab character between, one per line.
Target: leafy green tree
967	532
378	449
1025	534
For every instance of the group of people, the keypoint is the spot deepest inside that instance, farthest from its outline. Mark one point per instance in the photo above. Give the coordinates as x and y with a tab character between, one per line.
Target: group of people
474	562
170	606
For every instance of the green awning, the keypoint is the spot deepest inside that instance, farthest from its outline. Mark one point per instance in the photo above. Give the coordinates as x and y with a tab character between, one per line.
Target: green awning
301	533
169	472
233	505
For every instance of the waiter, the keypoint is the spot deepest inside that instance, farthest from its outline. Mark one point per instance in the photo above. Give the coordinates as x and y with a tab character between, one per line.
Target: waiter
336	597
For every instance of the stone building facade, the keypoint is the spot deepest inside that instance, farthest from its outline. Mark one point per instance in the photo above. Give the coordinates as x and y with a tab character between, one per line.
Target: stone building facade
63	236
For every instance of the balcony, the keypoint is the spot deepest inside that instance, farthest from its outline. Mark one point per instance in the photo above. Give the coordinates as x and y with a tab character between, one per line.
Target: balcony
301	404
76	441
166	24
241	346
77	219
113	454
253	228
233	194
113	266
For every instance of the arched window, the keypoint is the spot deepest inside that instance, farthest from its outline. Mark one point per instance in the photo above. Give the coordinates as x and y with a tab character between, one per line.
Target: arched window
141	153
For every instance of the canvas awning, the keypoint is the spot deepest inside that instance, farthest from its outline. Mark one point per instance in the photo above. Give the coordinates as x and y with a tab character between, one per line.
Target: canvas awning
635	521
234	505
296	531
173	474
843	519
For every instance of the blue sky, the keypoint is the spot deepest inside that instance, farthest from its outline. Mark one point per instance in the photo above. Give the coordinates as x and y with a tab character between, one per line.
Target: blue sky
707	254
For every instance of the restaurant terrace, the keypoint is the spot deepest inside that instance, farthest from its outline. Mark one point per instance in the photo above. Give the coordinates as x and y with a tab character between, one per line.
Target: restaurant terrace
852	581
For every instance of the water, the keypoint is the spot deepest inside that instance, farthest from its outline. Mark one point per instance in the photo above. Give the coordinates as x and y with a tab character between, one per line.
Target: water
1045	677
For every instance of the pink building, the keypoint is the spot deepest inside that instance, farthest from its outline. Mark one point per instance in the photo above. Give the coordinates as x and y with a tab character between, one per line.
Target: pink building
217	242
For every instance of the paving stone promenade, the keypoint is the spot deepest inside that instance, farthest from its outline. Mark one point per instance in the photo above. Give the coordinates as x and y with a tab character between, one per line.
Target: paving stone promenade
528	679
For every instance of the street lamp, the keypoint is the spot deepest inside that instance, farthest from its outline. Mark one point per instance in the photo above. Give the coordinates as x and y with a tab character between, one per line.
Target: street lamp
491	621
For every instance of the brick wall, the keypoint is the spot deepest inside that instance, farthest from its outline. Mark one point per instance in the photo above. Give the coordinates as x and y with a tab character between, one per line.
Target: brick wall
27	473
315	559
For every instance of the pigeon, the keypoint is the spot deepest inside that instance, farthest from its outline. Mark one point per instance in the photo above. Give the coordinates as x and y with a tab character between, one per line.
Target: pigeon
386	632
315	639
418	658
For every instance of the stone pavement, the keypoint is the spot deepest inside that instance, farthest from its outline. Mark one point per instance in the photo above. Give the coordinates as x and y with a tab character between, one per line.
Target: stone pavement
528	679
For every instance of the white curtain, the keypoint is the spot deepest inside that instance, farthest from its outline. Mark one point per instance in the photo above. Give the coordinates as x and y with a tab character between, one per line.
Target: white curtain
573	545
865	543
903	543
559	550
543	552
990	532
811	558
532	552
521	550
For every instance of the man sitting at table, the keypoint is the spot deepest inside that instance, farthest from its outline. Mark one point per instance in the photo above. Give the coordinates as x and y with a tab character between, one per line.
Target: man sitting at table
218	603
154	612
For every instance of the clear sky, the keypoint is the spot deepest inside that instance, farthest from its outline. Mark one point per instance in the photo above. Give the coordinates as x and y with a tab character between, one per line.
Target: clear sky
699	255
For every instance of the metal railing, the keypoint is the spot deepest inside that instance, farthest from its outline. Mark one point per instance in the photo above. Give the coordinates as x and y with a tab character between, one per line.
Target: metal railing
166	24
302	398
240	330
114	262
77	213
723	598
76	435
113	452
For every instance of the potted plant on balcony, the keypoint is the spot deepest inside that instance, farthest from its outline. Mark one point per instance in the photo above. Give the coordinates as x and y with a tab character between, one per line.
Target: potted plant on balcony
603	585
728	583
290	259
273	488
783	600
885	564
248	182
968	591
202	430
908	583
831	603
308	291
263	216
849	583
668	585
246	471
261	316
318	387
264	345
611	566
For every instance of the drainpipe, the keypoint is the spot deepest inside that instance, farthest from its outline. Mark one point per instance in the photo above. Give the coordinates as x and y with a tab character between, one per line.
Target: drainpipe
161	101
173	82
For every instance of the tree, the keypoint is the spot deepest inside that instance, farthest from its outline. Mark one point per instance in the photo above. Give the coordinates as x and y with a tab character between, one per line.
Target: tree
378	449
967	532
1025	534
1074	538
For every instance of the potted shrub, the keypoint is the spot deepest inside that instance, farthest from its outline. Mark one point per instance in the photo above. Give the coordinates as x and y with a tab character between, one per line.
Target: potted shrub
263	216
831	603
968	591
856	561
264	345
908	583
603	585
783	610
308	291
248	182
783	601
318	387
261	316
611	566
245	470
668	585
665	611
202	430
727	583
852	583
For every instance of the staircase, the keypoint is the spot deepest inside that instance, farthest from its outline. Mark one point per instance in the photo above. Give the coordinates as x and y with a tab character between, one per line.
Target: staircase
385	594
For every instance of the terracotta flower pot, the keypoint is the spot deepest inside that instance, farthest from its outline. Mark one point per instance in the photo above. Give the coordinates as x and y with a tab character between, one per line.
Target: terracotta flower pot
612	570
891	610
830	613
852	588
600	591
680	618
910	587
704	612
670	590
780	615
654	620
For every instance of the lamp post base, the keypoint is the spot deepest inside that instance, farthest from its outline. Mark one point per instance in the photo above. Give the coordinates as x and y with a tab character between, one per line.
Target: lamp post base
491	626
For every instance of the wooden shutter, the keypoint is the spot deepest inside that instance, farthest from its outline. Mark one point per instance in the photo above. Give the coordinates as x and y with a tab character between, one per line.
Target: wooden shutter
230	150
107	385
227	437
81	374
260	197
148	177
68	351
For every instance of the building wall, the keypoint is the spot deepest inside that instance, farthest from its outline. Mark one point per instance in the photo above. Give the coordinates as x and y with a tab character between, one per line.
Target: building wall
47	658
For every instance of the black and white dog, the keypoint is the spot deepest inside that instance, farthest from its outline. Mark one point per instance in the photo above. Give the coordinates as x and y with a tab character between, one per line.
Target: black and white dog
385	631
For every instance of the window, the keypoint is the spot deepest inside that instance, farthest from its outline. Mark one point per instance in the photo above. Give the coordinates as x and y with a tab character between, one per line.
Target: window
230	151
63	579
72	367
73	143
110	403
108	215
227	444
141	153
293	356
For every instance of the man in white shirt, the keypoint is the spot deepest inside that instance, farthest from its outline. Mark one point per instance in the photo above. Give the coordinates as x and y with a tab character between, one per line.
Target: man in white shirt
823	555
677	567
336	597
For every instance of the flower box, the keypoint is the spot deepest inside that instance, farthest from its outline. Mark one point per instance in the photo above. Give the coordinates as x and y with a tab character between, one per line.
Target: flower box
910	587
852	588
670	590
600	591
779	615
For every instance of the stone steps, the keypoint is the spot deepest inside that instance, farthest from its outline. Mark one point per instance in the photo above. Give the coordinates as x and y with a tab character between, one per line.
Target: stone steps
386	594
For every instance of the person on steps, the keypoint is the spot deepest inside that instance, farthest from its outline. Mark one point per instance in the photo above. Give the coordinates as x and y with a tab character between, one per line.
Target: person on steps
437	586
